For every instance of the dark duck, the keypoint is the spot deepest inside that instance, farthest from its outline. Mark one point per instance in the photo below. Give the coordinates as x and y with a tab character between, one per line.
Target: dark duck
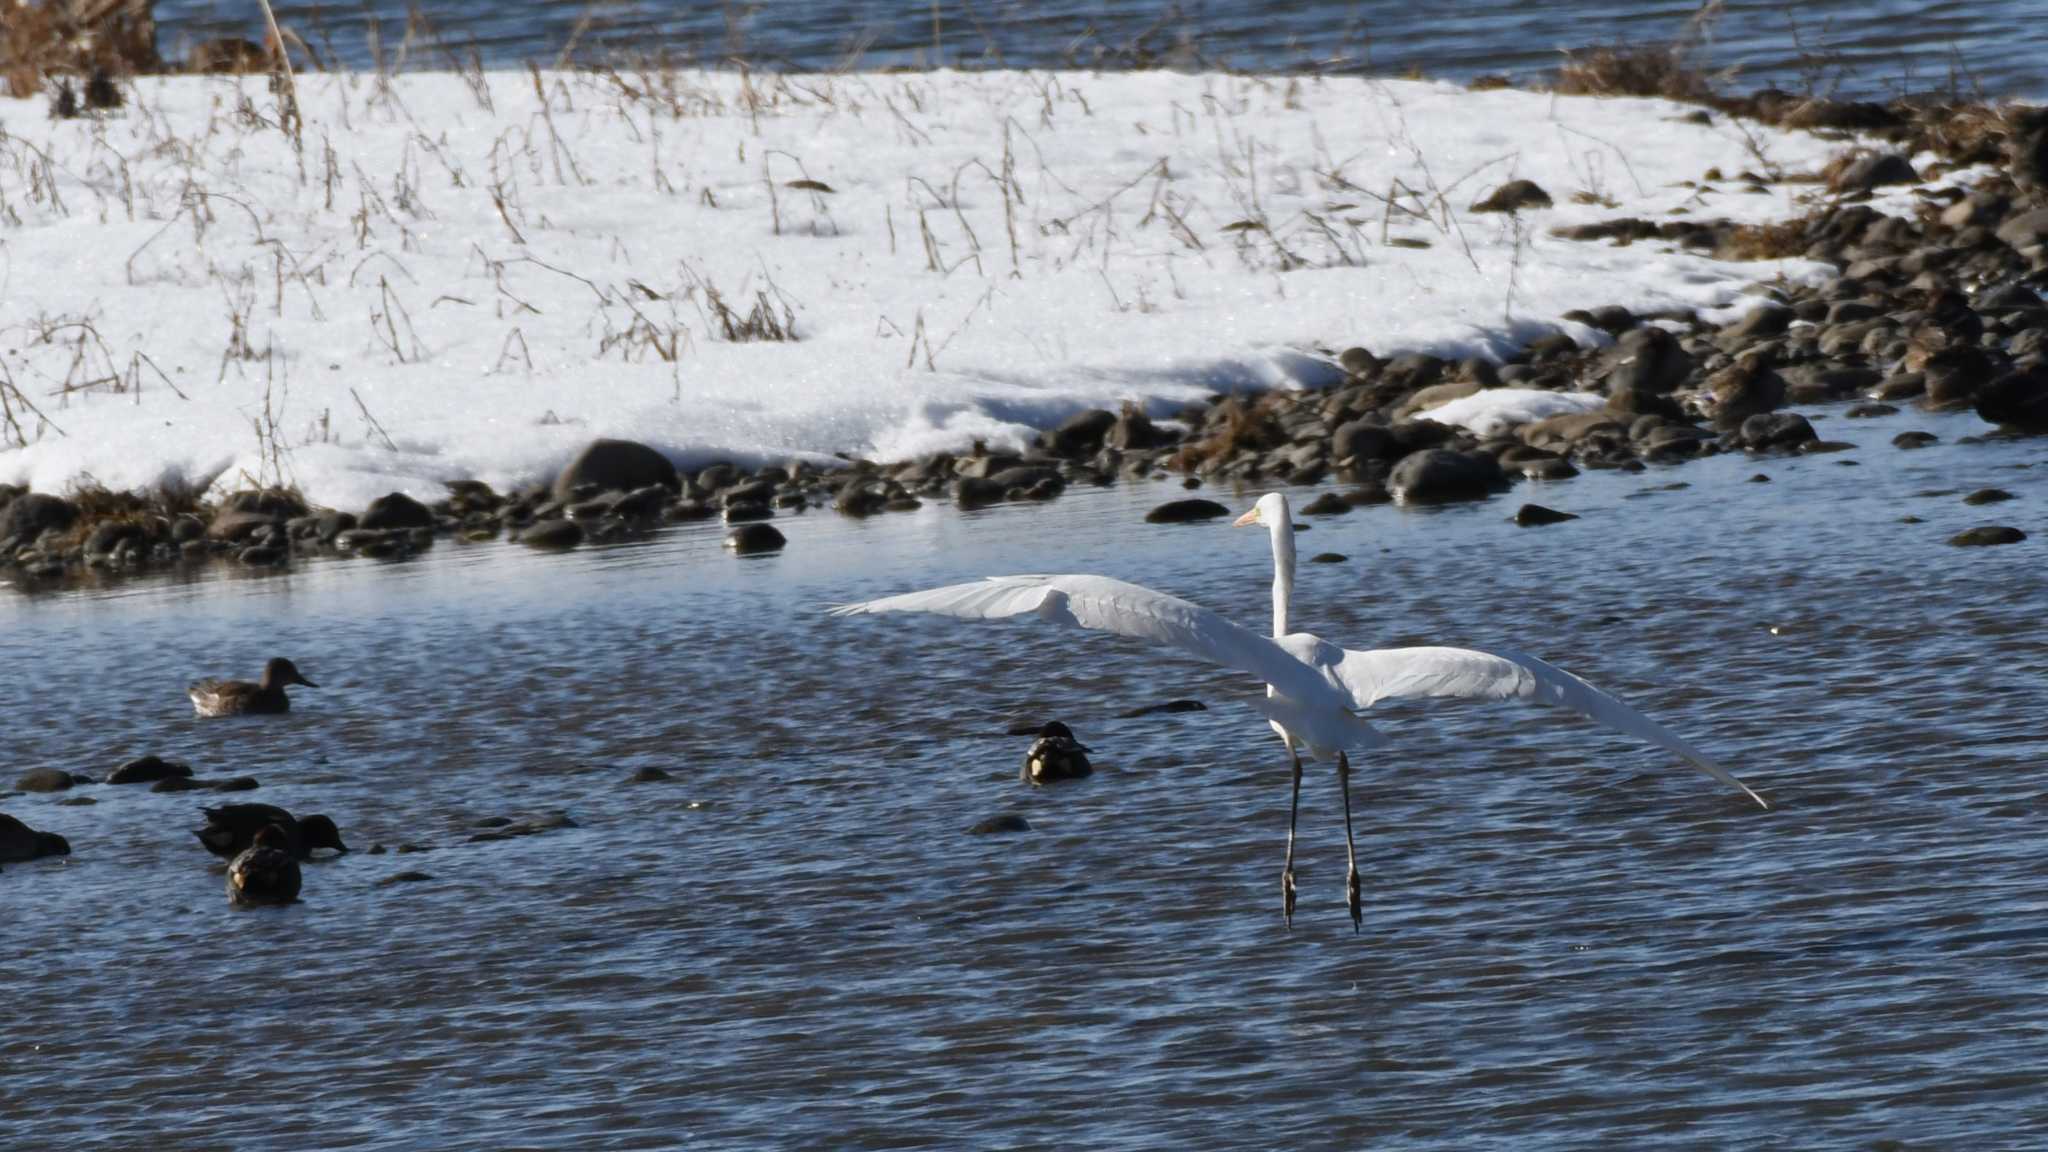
266	873
1056	755
232	828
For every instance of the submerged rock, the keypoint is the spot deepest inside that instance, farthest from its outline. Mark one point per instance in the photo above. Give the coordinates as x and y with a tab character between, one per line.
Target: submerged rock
1186	511
147	770
1151	709
553	535
48	780
1440	474
754	539
1987	535
995	825
1531	515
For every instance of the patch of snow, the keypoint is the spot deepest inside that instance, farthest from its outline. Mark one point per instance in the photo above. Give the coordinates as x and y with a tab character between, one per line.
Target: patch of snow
454	282
1498	409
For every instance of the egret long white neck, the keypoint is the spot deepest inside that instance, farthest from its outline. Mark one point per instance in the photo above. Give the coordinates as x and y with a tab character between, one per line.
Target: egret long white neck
1282	528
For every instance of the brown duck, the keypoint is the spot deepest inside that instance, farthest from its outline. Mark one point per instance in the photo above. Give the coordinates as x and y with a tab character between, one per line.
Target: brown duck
266	873
239	697
231	828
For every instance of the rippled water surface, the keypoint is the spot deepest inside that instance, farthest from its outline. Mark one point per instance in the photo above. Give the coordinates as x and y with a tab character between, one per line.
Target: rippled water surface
1861	46
1570	941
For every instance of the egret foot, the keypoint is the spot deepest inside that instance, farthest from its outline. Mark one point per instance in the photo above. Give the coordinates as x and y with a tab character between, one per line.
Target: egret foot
1287	897
1356	900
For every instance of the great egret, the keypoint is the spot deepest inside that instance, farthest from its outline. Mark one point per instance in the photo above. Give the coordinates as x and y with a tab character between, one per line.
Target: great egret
1314	689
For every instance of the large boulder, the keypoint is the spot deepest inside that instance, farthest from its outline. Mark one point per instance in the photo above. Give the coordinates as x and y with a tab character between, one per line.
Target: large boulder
1439	474
1867	172
1743	389
2026	230
1955	375
1776	432
276	503
2016	400
32	514
1358	442
1647	360
1560	433
1082	433
397	510
616	466
1135	432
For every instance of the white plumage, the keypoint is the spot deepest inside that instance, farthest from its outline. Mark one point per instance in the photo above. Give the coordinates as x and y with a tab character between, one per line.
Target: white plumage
1314	689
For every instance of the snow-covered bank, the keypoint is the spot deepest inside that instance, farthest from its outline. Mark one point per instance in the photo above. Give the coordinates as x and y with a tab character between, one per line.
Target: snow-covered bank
471	277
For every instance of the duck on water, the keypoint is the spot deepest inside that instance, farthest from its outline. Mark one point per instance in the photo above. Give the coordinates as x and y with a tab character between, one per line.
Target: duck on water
240	697
1056	755
232	828
266	872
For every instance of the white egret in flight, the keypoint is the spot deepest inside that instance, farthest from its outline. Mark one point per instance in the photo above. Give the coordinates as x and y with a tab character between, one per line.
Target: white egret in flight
1314	689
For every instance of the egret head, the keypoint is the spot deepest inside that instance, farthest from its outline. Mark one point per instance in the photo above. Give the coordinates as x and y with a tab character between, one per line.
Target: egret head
1270	510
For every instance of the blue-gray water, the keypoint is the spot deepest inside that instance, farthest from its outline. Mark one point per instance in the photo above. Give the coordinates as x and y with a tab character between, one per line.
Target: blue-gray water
1570	941
1865	47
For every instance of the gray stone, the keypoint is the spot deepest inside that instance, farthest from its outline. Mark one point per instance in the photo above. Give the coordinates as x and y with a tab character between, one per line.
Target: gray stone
1533	515
1439	474
552	535
755	539
1185	511
616	465
147	770
1987	536
396	510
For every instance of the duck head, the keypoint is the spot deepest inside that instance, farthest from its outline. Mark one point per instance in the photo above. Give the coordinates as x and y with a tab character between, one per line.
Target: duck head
320	832
1054	730
280	672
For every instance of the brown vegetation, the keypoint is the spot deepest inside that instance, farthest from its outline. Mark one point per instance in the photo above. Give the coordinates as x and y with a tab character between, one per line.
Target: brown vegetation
43	38
1233	426
1622	70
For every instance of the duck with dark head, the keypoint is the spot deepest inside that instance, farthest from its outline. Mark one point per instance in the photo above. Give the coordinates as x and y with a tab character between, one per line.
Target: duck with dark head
231	828
1056	755
266	873
240	698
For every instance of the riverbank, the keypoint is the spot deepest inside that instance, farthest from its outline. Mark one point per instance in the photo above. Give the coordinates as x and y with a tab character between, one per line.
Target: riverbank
693	261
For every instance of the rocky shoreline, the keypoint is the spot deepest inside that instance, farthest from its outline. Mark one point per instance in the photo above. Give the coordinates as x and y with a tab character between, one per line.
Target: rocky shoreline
1940	310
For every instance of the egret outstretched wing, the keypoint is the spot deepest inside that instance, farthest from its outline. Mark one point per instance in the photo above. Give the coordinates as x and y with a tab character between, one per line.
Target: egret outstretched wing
1401	673
1107	605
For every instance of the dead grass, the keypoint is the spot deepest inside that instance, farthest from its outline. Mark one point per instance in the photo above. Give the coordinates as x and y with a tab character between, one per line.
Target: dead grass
1632	70
1785	238
1246	426
74	37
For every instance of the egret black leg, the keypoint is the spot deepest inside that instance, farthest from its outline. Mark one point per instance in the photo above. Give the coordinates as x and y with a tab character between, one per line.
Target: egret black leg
1287	870
1353	897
